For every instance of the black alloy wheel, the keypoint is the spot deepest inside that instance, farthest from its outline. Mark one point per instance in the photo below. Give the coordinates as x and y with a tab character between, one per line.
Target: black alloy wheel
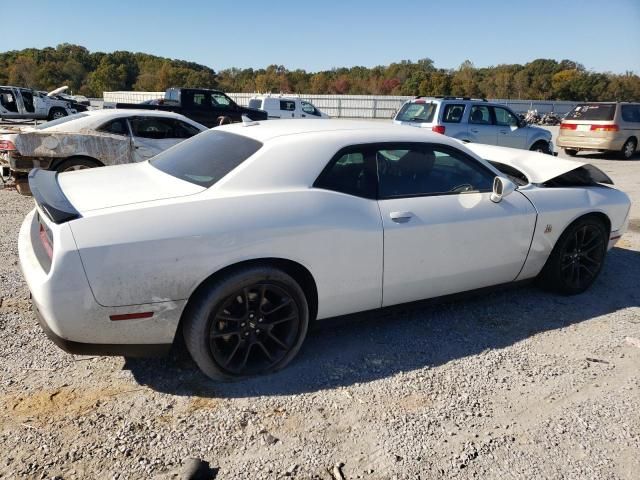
583	257
577	258
252	330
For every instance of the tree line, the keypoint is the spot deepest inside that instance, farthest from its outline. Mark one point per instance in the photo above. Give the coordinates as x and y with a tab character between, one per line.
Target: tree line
91	73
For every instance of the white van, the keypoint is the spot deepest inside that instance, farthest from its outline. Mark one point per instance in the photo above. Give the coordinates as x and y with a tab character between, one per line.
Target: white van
285	107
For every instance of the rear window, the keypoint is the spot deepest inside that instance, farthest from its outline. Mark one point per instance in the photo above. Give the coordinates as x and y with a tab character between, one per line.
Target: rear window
593	111
255	103
417	112
207	158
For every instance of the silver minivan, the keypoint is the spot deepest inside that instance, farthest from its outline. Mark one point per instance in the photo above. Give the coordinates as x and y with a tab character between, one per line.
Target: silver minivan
474	120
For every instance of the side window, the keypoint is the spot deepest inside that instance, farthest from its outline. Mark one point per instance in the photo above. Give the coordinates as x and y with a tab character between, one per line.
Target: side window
199	100
310	109
452	113
429	170
7	100
480	115
115	127
631	113
287	105
156	128
219	100
505	118
183	129
351	172
27	100
255	103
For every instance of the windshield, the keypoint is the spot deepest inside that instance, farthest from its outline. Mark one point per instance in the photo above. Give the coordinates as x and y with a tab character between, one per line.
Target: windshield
593	111
417	112
60	121
207	157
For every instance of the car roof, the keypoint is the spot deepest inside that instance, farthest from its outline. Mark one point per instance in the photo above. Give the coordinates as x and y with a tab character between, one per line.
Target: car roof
364	130
94	118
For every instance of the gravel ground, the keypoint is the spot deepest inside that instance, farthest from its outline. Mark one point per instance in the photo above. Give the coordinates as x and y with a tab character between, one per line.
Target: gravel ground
514	384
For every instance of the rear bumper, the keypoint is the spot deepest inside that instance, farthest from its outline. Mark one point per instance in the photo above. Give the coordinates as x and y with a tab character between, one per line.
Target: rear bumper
589	143
79	348
69	313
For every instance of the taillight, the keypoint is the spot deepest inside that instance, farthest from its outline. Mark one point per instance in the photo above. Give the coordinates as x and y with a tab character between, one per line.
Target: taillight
438	129
46	242
7	145
568	126
604	128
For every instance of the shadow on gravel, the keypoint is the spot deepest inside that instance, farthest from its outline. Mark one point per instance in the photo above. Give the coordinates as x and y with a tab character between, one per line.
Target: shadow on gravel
366	347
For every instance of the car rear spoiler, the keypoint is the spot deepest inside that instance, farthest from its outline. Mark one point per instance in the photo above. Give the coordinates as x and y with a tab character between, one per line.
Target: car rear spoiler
49	196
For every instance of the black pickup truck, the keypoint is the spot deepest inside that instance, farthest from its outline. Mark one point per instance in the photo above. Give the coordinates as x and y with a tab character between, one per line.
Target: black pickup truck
201	105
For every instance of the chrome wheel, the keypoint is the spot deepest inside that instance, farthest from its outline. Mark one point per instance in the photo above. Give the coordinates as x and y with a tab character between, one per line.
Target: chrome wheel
252	330
628	149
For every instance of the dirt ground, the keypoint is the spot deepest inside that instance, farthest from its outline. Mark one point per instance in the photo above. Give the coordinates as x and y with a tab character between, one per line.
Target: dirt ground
514	384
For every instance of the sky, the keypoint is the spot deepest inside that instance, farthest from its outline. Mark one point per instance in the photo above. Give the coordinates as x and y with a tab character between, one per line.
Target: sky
602	35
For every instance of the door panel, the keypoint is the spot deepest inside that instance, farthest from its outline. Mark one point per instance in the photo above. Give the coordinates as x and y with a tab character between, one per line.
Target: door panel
481	127
442	233
453	243
509	135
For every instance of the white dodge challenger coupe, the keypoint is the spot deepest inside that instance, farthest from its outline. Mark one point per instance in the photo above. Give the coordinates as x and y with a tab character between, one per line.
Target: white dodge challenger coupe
241	236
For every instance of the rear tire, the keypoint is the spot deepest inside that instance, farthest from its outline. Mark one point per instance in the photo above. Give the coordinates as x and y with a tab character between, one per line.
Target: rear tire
571	152
72	164
577	258
251	321
629	148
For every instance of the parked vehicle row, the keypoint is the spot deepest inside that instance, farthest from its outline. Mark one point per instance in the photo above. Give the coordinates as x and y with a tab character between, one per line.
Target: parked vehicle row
204	106
474	120
242	236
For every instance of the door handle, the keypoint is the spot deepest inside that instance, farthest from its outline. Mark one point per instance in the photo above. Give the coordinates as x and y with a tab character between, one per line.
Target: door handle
504	132
401	217
473	130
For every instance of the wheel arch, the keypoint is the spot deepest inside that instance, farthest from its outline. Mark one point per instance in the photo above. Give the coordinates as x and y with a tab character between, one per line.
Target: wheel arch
295	270
602	216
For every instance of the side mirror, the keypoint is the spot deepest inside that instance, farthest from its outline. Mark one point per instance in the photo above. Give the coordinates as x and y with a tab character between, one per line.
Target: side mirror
501	188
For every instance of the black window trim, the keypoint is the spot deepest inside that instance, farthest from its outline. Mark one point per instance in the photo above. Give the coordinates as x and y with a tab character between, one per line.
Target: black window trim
108	122
367	150
492	115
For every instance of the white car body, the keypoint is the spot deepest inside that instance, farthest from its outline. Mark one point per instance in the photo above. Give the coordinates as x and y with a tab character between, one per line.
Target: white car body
142	240
281	107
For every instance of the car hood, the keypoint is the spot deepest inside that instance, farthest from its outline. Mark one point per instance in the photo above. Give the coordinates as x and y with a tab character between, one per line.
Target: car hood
538	167
57	91
118	185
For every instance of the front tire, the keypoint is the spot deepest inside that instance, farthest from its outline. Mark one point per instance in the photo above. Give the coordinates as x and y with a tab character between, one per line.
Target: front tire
577	258
56	113
542	147
628	149
251	321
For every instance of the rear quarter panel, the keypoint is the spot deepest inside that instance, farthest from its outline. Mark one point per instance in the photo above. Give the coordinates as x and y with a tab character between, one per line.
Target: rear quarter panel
165	250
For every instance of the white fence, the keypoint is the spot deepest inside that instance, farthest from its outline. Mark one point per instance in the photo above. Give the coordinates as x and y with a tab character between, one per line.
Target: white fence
354	106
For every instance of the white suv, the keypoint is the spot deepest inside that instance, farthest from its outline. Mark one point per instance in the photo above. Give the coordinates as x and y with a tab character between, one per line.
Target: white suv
474	120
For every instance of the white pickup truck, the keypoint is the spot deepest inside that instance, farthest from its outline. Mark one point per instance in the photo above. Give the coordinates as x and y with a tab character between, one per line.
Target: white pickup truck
24	103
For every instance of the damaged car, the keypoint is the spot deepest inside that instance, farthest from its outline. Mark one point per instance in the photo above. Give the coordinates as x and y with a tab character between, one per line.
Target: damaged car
24	103
241	237
91	139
